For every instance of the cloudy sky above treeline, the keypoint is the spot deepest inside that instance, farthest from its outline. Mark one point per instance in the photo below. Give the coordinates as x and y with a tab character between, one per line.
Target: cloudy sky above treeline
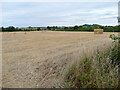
24	14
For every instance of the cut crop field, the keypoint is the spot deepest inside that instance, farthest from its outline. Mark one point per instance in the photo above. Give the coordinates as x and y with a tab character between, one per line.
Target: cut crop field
40	59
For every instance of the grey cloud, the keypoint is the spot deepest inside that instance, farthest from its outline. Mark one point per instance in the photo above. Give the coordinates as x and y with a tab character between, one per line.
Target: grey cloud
44	14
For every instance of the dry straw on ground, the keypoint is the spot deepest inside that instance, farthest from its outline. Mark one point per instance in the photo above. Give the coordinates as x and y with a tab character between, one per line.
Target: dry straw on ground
39	60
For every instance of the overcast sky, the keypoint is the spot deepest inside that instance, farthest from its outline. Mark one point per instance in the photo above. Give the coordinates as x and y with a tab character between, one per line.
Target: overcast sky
24	14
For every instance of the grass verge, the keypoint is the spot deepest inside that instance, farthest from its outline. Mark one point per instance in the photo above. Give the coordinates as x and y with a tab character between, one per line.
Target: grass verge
99	70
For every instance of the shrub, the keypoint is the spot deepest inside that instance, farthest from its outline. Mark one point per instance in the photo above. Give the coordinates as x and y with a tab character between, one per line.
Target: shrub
96	71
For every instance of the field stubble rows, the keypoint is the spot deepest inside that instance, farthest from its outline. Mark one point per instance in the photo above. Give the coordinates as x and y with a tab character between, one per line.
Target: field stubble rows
40	59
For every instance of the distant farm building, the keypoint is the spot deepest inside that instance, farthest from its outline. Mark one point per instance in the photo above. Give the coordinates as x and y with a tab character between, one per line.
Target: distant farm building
98	31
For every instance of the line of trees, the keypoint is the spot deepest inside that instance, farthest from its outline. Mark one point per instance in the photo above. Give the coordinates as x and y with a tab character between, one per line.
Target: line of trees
85	27
12	29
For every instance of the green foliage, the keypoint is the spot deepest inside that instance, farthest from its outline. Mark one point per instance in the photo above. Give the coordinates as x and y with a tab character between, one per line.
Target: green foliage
12	29
85	27
95	71
49	28
38	29
115	38
76	27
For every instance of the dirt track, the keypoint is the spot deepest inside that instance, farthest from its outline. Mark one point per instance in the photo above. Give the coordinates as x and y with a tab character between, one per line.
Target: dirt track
40	59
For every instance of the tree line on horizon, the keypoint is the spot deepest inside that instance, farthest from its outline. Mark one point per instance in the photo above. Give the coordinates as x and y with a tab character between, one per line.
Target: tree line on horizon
85	27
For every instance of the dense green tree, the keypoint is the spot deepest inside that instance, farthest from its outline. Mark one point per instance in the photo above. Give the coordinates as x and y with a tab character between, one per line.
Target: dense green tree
85	27
38	29
49	28
2	29
76	27
10	29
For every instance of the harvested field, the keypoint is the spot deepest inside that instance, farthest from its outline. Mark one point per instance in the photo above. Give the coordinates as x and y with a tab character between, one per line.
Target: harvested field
40	59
